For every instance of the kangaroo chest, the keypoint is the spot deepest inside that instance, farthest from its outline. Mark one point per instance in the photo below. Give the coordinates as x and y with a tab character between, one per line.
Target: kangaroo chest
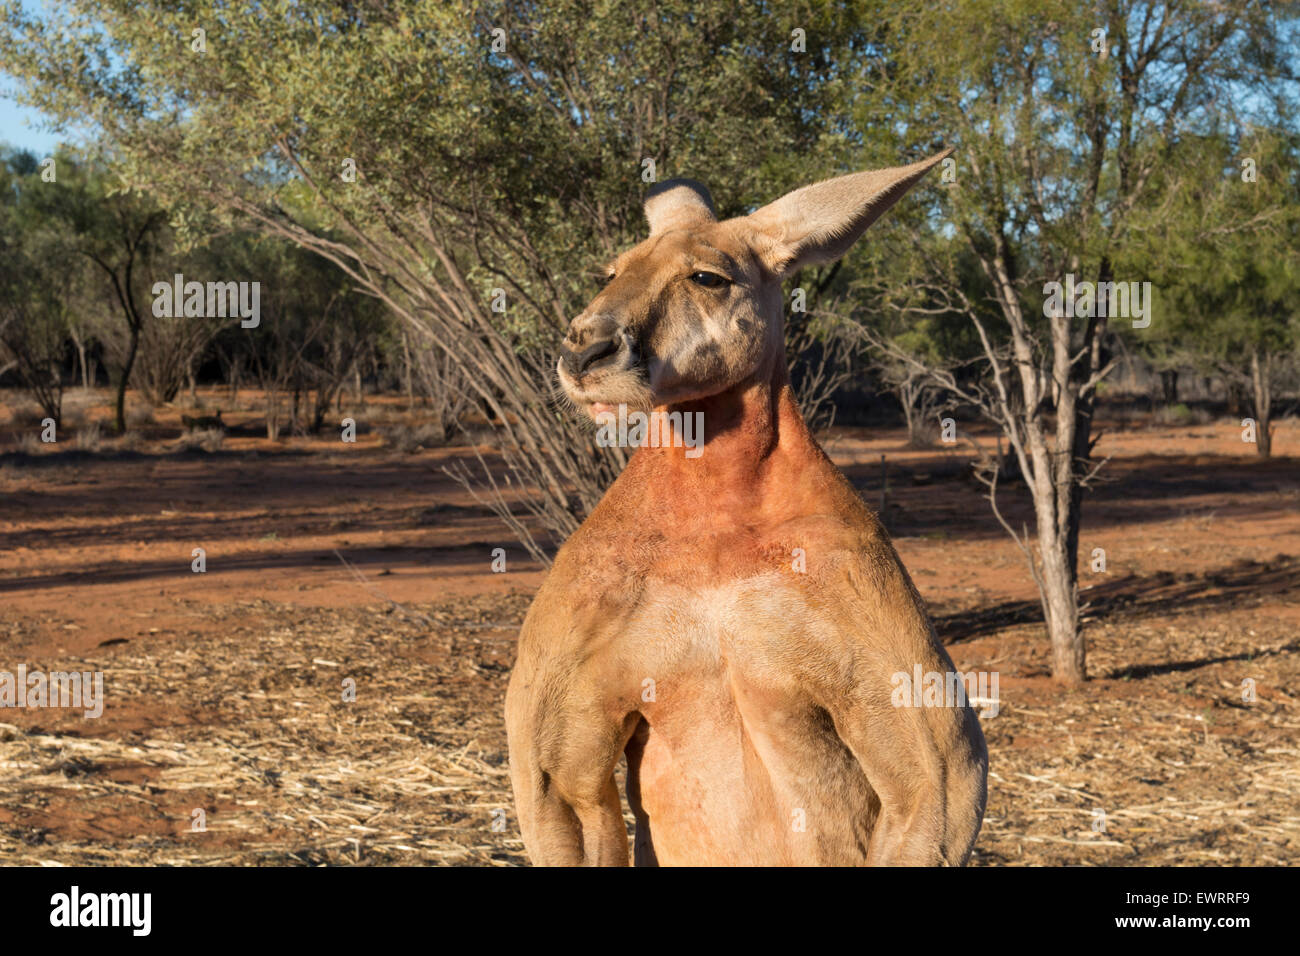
733	749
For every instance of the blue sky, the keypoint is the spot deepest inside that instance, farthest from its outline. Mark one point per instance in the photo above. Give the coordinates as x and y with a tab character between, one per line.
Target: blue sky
19	125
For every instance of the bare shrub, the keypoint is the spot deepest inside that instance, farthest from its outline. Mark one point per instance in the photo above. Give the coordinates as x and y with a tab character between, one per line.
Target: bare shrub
822	354
412	438
25	414
129	441
89	437
142	414
1180	414
32	339
207	439
168	349
922	434
434	375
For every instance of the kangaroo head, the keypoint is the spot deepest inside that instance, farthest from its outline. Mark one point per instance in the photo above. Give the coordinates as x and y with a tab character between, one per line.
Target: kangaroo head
696	308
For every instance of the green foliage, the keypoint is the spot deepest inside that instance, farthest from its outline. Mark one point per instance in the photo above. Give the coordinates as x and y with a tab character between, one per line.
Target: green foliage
501	145
543	141
1227	258
41	283
479	165
1068	161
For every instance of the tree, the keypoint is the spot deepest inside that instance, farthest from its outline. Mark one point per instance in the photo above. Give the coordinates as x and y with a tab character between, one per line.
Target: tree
30	331
465	163
1062	115
41	292
33	334
312	326
114	228
1228	261
918	343
170	345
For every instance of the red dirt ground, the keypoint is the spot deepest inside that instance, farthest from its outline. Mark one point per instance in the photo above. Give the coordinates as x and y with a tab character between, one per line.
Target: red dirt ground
326	560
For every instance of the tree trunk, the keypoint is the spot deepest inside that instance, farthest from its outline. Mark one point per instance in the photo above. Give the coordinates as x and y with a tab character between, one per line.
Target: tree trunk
907	398
1060	466
1236	398
1061	608
80	346
1263	398
272	413
325	395
120	423
406	370
1169	383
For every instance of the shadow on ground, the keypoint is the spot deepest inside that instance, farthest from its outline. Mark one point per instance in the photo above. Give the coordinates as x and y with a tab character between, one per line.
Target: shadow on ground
1238	585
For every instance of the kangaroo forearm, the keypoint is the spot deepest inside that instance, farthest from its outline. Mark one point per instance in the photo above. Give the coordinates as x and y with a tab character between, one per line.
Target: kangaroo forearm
938	830
552	834
590	834
605	840
912	840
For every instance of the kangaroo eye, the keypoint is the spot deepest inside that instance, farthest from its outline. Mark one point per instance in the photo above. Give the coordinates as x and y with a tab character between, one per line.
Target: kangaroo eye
710	280
607	278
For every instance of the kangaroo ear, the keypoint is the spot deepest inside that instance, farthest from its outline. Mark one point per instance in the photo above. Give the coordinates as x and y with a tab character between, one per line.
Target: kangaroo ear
677	202
819	223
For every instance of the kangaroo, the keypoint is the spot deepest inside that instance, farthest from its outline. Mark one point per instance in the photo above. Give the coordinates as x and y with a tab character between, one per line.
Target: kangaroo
732	621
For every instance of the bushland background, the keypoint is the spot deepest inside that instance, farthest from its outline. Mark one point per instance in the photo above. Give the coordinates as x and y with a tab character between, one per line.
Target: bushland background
1102	511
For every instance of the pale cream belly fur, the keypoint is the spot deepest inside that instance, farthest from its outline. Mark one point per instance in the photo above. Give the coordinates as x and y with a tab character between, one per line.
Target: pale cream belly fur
733	756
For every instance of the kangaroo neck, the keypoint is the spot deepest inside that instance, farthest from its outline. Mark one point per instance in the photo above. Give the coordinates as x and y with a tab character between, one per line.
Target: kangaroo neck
755	445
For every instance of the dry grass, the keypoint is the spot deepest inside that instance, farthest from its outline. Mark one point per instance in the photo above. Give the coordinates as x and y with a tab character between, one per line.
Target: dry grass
210	440
287	772
412	771
89	438
139	414
129	441
1159	762
410	438
24	414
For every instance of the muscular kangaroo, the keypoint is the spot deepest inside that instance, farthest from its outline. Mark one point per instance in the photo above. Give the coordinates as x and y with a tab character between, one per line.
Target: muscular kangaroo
731	617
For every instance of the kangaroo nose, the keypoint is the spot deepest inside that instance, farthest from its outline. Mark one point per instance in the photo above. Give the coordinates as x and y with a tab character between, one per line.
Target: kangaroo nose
593	356
592	346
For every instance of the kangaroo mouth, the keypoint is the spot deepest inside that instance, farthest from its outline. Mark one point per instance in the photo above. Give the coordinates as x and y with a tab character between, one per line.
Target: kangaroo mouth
606	389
